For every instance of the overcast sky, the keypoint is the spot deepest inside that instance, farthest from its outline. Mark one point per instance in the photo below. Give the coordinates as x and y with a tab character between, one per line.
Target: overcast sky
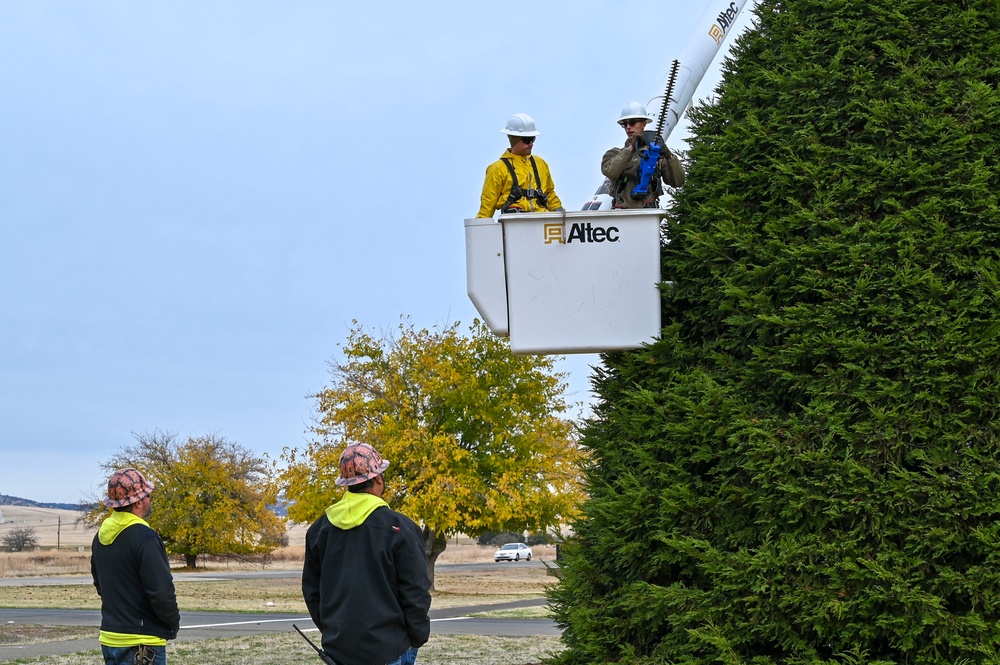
197	198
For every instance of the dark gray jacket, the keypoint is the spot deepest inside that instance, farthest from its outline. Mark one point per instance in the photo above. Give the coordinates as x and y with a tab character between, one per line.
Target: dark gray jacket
132	576
367	587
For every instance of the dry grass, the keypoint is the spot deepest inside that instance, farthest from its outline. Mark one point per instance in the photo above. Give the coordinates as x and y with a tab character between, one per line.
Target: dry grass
537	612
34	564
71	562
25	634
60	527
513	581
458	588
454	588
290	649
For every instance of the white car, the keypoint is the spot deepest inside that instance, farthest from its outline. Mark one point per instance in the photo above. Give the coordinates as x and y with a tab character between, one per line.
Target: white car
512	552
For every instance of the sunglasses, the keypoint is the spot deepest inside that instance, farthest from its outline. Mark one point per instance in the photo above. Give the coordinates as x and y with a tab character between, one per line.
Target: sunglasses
631	122
528	139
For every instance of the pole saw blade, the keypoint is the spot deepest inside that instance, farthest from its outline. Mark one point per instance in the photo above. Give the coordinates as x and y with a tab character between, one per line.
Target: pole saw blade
671	81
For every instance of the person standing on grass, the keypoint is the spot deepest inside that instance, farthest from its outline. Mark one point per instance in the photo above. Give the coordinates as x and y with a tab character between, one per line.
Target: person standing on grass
365	578
132	575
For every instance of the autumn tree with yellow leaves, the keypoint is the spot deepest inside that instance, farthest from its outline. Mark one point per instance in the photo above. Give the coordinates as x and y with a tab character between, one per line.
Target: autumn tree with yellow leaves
476	436
211	497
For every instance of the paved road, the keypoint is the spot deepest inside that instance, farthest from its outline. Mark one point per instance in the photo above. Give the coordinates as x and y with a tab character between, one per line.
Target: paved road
206	625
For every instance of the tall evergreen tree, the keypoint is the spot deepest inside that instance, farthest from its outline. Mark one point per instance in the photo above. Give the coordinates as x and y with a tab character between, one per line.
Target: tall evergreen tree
805	468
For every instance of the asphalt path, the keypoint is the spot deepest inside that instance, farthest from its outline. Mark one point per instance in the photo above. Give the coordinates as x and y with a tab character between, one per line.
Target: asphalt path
208	625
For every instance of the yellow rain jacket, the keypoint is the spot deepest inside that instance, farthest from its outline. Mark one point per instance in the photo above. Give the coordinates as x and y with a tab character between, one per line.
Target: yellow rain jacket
497	186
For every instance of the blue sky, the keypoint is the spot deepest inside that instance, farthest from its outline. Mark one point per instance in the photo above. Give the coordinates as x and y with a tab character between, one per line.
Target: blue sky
198	198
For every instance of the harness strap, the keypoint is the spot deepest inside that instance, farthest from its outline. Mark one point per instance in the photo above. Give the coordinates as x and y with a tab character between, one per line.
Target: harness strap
516	193
539	194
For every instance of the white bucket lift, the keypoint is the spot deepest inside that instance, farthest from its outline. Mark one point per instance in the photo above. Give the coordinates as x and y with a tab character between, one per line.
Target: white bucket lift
574	282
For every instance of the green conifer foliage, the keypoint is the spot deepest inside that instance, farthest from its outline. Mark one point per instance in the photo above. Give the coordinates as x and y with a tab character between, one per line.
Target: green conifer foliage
805	468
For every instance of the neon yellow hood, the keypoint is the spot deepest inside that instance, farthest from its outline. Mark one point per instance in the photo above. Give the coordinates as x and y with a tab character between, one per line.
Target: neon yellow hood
115	524
353	509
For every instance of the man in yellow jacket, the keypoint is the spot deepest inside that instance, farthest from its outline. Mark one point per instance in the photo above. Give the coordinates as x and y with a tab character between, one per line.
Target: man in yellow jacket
519	181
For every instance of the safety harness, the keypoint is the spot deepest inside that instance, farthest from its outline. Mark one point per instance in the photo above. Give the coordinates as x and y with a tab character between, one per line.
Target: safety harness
516	193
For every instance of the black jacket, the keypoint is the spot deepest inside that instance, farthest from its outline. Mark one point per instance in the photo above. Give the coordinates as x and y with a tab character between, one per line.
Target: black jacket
367	587
132	576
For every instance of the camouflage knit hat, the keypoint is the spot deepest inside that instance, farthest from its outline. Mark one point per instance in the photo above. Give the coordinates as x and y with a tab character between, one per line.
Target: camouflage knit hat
358	463
125	487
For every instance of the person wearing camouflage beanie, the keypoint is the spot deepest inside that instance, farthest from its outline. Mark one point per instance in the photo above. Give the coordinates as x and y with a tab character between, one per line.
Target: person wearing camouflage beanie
132	575
365	578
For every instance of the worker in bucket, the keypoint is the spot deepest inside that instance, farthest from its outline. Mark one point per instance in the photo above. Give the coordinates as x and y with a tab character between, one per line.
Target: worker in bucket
132	575
623	166
365	578
519	181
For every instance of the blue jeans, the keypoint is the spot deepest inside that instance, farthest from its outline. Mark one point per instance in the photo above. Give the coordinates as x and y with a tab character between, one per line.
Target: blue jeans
407	658
126	655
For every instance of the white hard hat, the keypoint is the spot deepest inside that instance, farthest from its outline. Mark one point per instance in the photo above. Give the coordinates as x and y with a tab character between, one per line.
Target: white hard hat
634	110
520	124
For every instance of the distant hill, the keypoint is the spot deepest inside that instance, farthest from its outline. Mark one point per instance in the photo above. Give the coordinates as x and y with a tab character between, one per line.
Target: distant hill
16	501
281	509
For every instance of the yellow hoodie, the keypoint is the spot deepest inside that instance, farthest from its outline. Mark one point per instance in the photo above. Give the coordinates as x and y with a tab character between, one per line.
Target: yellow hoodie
352	510
117	522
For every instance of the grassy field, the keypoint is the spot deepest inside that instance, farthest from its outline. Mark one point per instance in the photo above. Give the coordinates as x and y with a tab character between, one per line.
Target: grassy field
453	588
58	531
54	527
290	649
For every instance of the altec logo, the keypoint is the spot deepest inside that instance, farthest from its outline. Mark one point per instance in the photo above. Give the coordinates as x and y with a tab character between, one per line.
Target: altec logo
725	21
580	233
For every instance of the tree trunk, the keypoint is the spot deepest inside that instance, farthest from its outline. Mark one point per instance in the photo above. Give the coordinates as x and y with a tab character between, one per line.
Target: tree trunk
190	560
434	544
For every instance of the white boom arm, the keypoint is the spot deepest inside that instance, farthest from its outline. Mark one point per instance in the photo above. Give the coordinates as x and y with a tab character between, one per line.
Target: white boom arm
711	30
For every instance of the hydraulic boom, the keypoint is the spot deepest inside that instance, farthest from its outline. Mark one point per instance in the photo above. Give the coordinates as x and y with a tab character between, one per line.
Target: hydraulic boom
686	73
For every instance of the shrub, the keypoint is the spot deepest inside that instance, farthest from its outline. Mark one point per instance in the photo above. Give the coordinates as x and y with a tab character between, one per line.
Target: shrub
805	467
